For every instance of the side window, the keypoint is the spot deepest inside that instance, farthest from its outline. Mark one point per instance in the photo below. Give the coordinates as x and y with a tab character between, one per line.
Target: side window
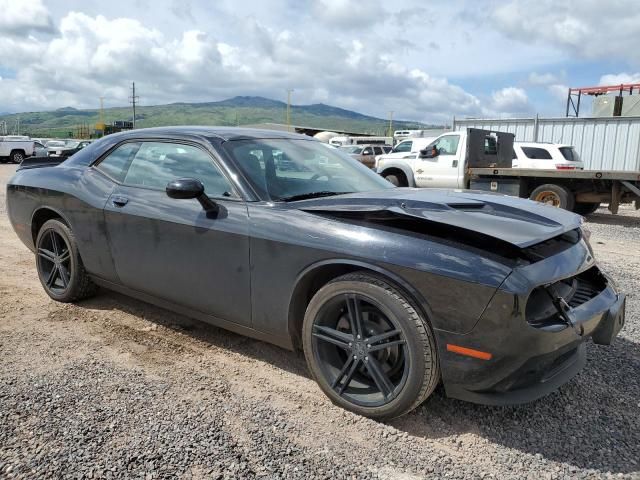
448	145
536	153
116	163
367	151
157	163
377	150
490	146
403	147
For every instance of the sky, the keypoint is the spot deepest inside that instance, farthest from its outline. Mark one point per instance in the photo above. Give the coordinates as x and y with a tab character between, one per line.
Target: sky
424	60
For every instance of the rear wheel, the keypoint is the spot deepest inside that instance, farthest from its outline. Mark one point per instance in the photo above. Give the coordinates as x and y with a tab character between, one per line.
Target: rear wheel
59	265
555	195
368	348
17	156
586	208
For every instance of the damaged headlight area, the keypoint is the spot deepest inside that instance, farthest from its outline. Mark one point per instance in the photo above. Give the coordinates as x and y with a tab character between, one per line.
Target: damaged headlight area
549	306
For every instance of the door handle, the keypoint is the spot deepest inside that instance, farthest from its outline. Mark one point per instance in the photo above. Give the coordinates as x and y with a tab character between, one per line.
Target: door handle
454	163
119	201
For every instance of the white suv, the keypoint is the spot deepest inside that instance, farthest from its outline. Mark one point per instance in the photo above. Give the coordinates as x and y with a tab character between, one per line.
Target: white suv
547	156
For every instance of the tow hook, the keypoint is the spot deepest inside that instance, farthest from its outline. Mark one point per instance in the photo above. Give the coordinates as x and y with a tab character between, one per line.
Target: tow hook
564	310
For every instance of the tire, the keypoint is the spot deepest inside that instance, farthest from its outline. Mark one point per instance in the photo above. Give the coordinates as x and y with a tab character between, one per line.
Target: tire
17	156
555	195
59	265
396	179
582	208
348	368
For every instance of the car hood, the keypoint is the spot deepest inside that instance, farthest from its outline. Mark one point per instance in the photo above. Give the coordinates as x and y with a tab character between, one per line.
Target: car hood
517	221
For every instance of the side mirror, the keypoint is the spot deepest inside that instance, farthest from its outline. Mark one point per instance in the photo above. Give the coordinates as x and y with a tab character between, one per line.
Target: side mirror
188	188
429	152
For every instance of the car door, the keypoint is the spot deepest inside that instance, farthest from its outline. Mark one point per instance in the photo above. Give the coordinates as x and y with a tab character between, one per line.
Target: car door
173	249
367	158
440	168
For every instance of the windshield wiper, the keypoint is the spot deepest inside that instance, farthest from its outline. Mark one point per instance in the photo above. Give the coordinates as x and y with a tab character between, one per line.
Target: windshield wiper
306	196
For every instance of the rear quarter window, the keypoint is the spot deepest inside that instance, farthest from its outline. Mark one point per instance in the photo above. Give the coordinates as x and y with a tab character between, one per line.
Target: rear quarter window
536	153
569	153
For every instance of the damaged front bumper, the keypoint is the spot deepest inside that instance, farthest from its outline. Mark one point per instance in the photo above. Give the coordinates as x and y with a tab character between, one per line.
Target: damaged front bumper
531	359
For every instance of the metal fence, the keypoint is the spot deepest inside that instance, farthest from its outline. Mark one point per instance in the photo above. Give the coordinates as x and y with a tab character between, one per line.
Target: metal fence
610	143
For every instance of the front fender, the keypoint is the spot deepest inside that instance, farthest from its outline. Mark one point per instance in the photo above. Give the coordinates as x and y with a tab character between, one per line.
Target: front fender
390	165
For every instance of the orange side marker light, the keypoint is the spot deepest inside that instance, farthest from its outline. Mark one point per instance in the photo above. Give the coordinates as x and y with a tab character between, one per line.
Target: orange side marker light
469	352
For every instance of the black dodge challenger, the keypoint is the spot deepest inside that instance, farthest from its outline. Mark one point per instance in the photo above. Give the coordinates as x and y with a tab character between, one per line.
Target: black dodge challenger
388	291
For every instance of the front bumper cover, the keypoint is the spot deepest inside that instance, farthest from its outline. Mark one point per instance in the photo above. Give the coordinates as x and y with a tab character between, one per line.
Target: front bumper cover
527	363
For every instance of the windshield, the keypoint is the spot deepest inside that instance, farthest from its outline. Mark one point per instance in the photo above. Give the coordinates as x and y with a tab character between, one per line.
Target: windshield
353	149
282	169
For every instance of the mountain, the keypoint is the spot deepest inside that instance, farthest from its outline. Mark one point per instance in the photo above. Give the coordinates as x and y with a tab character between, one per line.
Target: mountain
242	110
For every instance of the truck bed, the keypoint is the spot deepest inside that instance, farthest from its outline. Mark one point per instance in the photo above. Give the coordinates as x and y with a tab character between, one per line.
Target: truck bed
576	174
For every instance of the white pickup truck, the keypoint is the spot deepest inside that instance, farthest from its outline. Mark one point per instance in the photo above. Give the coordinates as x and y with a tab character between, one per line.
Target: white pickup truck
482	160
15	148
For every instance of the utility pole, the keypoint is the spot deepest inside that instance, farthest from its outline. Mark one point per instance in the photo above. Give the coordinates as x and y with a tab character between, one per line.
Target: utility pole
391	123
133	99
102	111
289	90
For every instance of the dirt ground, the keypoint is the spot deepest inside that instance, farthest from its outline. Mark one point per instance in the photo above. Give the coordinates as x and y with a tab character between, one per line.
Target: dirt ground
116	388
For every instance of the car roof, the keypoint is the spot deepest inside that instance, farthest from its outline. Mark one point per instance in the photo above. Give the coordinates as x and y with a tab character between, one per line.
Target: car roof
541	144
223	133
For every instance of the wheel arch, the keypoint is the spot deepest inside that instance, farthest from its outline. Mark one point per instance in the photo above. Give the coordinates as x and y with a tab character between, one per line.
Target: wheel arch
42	215
392	168
317	275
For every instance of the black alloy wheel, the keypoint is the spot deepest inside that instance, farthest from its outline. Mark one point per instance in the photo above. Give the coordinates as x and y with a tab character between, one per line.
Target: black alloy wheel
361	349
60	268
54	262
368	348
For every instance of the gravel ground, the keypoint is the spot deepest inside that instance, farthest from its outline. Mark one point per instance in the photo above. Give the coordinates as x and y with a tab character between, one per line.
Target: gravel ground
115	388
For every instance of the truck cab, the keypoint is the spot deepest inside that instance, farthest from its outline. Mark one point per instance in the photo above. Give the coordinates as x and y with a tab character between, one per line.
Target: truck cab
440	163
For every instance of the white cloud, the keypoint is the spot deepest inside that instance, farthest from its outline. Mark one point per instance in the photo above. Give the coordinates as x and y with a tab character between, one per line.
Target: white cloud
619	78
542	78
349	14
510	99
558	91
590	29
321	57
18	17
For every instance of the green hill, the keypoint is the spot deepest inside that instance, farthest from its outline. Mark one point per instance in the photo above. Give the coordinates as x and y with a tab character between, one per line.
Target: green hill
233	111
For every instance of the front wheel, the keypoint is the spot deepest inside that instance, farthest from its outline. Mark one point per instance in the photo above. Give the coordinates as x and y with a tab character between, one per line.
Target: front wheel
396	179
368	348
59	265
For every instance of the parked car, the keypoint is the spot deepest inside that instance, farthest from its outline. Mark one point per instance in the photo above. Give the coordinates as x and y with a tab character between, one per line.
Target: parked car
365	154
388	291
546	156
69	149
54	146
39	150
15	148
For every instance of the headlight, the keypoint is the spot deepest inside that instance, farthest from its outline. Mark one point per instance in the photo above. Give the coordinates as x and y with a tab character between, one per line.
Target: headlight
379	163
